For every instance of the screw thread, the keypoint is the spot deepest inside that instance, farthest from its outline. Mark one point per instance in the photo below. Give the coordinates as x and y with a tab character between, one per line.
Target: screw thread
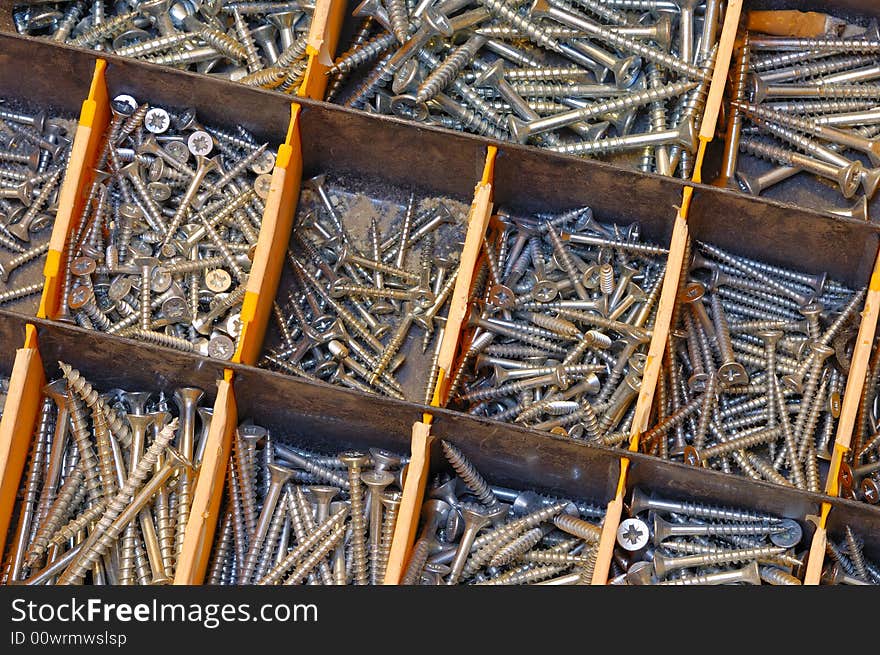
294	53
858	45
398	16
533	32
416	563
321	551
69	530
159	339
223	43
106	466
544	73
604	11
184	500
69	497
105	29
23	258
106	531
772	575
267	77
469	475
356	57
126	557
813	107
309	522
152	46
294	556
857	557
389	523
553	557
504	533
443	75
71	17
79	430
358	526
472	119
222	551
578	527
517	547
740	443
525	575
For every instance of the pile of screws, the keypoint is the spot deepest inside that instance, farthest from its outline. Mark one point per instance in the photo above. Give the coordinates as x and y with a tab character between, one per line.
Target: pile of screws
106	498
547	73
162	251
283	524
850	566
561	329
666	542
255	43
474	533
859	477
366	276
754	369
34	148
807	106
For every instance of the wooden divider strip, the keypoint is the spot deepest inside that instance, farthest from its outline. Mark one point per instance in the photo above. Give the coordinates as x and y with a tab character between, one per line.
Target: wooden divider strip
323	38
610	524
93	120
198	539
816	556
18	424
410	503
478	221
855	381
272	244
722	67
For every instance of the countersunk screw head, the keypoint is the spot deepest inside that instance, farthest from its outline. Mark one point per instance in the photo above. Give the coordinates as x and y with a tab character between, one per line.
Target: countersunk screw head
221	347
870	491
353	459
83	266
80	297
157	120
633	534
791	537
692	456
200	143
846	476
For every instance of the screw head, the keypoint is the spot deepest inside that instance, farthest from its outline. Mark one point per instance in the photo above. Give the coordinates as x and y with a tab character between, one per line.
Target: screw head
125	104
175	308
80	297
732	374
353	459
160	280
178	150
692	456
119	288
218	280
262	185
633	534
640	573
870	491
157	120
264	164
200	143
221	347
82	266
791	537
846	476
